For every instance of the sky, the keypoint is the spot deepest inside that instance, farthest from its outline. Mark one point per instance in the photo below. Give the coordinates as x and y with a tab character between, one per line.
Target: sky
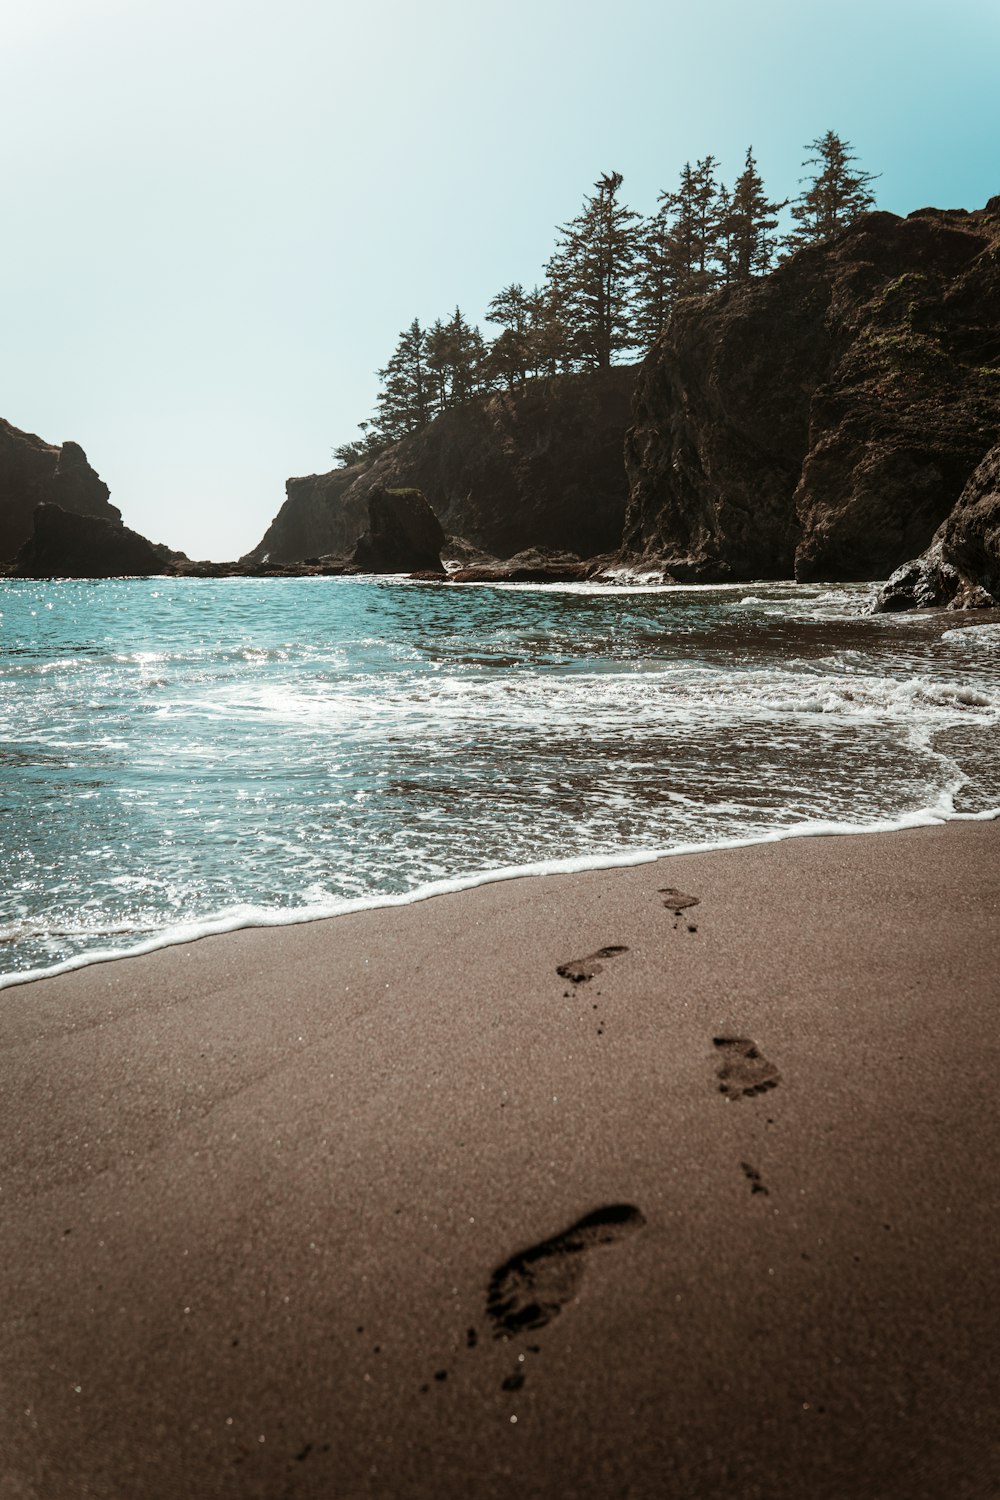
218	215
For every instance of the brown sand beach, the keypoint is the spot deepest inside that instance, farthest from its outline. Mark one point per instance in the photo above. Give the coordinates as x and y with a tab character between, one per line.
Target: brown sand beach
387	1205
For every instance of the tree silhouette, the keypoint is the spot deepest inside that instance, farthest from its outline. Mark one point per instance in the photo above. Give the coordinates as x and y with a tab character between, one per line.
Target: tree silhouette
748	220
590	276
610	284
834	196
403	404
455	357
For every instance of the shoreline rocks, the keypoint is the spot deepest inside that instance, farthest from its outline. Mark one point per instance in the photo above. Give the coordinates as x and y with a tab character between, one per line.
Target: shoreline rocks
65	544
961	567
403	534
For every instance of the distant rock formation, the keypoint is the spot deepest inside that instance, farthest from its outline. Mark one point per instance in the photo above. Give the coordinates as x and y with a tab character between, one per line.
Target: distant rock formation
961	567
834	420
317	519
33	472
540	466
65	544
823	420
403	534
534	565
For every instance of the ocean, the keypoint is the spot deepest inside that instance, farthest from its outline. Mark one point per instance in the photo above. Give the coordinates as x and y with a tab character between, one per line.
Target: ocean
186	756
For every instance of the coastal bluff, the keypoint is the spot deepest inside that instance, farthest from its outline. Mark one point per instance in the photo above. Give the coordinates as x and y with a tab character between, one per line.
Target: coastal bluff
821	422
34	472
538	467
837	420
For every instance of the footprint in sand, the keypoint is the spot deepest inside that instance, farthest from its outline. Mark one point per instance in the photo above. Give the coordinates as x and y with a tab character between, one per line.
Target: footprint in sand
578	970
754	1178
743	1070
677	901
531	1288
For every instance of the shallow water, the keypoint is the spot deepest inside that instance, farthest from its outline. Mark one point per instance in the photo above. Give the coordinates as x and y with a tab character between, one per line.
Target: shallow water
175	753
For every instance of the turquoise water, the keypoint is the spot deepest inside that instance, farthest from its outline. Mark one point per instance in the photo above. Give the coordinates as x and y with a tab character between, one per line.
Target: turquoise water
176	753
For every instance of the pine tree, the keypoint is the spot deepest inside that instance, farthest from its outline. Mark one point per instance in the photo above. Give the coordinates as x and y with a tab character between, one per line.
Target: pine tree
550	339
455	356
685	233
468	353
725	249
403	404
436	364
748	219
509	357
653	279
590	276
368	446
835	194
706	223
511	309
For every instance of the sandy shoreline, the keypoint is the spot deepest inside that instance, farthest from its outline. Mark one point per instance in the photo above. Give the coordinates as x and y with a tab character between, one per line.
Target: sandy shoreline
259	1191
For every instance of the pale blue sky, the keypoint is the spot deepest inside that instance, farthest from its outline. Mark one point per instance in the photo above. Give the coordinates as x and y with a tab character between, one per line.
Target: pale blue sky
217	216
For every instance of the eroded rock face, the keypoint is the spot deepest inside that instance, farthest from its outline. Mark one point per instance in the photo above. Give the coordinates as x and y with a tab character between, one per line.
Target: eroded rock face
317	519
961	567
540	466
823	420
33	472
403	534
64	544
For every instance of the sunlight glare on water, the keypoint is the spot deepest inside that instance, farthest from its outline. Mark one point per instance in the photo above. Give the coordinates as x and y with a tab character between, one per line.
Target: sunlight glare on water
178	751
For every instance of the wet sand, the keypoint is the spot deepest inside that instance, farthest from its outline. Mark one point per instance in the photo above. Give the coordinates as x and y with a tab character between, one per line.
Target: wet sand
389	1206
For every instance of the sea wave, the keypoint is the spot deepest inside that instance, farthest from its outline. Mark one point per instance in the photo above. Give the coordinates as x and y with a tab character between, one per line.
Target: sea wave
261	751
244	917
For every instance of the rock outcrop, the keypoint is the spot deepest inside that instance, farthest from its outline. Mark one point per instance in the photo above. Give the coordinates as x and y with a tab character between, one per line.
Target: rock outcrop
823	420
65	544
961	567
33	472
317	519
534	565
539	466
403	534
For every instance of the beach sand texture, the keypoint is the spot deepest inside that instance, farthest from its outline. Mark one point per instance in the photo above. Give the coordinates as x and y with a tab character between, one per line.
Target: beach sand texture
447	1200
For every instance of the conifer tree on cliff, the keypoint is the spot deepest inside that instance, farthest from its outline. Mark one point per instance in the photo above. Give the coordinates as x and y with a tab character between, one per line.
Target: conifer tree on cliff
363	449
680	247
455	356
590	276
654	292
549	336
403	403
747	222
509	357
835	193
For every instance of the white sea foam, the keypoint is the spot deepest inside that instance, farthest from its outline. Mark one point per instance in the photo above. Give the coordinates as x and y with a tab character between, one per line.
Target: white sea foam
242	918
981	637
215	773
630	702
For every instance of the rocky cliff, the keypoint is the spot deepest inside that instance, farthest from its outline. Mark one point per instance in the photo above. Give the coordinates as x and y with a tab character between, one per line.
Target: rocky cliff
823	420
961	567
540	466
65	544
316	519
33	472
